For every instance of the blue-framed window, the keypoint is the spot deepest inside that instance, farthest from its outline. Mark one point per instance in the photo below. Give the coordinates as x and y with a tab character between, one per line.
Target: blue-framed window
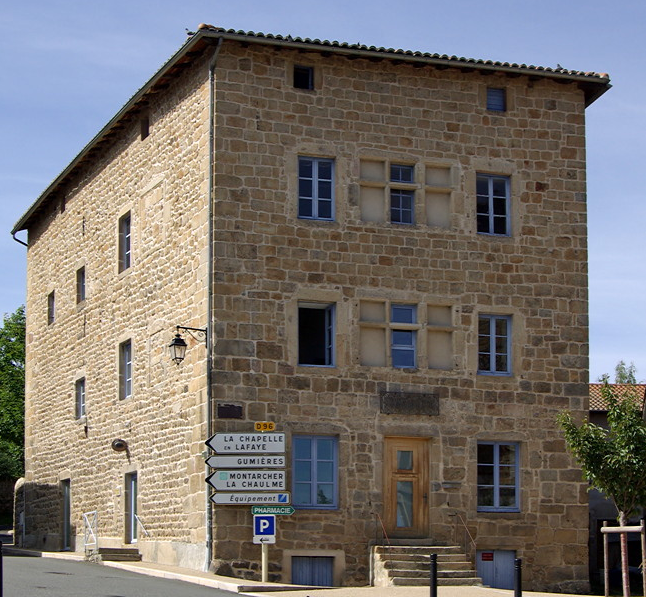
403	341
494	344
492	204
402	201
496	99
316	334
498	477
125	370
315	471
79	395
315	188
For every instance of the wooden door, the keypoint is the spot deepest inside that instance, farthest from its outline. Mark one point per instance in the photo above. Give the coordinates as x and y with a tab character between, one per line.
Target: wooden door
406	487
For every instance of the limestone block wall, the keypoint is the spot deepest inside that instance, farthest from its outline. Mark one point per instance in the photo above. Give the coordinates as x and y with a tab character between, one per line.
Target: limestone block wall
365	115
162	182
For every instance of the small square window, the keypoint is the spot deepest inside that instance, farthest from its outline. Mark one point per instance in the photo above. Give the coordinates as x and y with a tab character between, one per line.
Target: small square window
125	370
303	77
51	307
498	477
401	173
315	472
496	99
80	285
124	242
316	335
79	392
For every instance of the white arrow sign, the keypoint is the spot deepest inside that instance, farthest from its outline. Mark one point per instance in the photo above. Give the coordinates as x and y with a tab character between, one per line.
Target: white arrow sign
241	480
255	443
251	461
240	499
260	539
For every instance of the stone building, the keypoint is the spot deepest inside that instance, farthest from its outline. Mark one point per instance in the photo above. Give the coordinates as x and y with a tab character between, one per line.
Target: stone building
387	250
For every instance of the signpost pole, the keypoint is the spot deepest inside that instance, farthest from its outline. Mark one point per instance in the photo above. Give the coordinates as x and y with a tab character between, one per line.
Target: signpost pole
265	562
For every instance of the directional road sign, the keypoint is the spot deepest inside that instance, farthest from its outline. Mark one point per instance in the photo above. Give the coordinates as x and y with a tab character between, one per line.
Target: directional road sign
248	443
284	510
244	480
242	461
239	498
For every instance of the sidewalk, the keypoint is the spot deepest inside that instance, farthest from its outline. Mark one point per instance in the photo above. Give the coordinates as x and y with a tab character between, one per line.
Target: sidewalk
255	588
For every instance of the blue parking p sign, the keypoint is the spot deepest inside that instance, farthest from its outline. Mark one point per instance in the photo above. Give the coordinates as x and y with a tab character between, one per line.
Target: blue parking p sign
264	525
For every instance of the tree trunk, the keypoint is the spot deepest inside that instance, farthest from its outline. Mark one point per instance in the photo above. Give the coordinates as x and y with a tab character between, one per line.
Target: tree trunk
623	542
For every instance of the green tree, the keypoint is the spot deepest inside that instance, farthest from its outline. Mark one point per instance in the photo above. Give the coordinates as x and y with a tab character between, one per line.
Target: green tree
626	374
12	394
613	460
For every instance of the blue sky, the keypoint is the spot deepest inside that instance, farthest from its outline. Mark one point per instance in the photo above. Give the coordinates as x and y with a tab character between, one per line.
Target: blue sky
67	66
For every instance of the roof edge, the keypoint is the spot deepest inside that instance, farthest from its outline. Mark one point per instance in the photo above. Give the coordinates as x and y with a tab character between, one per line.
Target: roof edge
596	84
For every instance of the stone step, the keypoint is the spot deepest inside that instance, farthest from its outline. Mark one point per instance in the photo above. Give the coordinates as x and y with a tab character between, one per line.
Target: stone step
444	582
424	548
408	565
408	573
414	565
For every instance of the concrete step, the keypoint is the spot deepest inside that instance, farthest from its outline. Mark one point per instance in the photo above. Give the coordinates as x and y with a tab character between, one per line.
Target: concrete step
119	554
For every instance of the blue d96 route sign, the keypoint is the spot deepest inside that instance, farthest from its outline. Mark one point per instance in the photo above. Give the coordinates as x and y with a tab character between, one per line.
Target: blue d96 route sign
264	525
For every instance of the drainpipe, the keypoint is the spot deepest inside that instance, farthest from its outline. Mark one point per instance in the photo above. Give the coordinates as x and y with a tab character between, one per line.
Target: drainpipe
18	240
210	340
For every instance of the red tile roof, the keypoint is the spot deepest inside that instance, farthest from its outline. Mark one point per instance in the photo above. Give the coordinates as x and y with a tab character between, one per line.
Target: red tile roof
636	392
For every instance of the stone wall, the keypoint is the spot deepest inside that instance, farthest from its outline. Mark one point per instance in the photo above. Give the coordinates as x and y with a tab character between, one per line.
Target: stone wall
362	113
162	181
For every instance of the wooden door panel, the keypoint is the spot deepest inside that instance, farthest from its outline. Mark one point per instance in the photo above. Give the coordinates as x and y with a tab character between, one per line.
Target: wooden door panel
406	487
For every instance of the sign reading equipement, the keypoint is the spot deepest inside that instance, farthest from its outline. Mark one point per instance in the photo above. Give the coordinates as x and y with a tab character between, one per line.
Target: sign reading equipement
239	498
259	461
258	443
285	510
241	480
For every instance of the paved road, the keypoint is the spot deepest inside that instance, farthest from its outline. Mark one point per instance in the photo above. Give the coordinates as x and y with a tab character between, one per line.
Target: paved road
47	577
